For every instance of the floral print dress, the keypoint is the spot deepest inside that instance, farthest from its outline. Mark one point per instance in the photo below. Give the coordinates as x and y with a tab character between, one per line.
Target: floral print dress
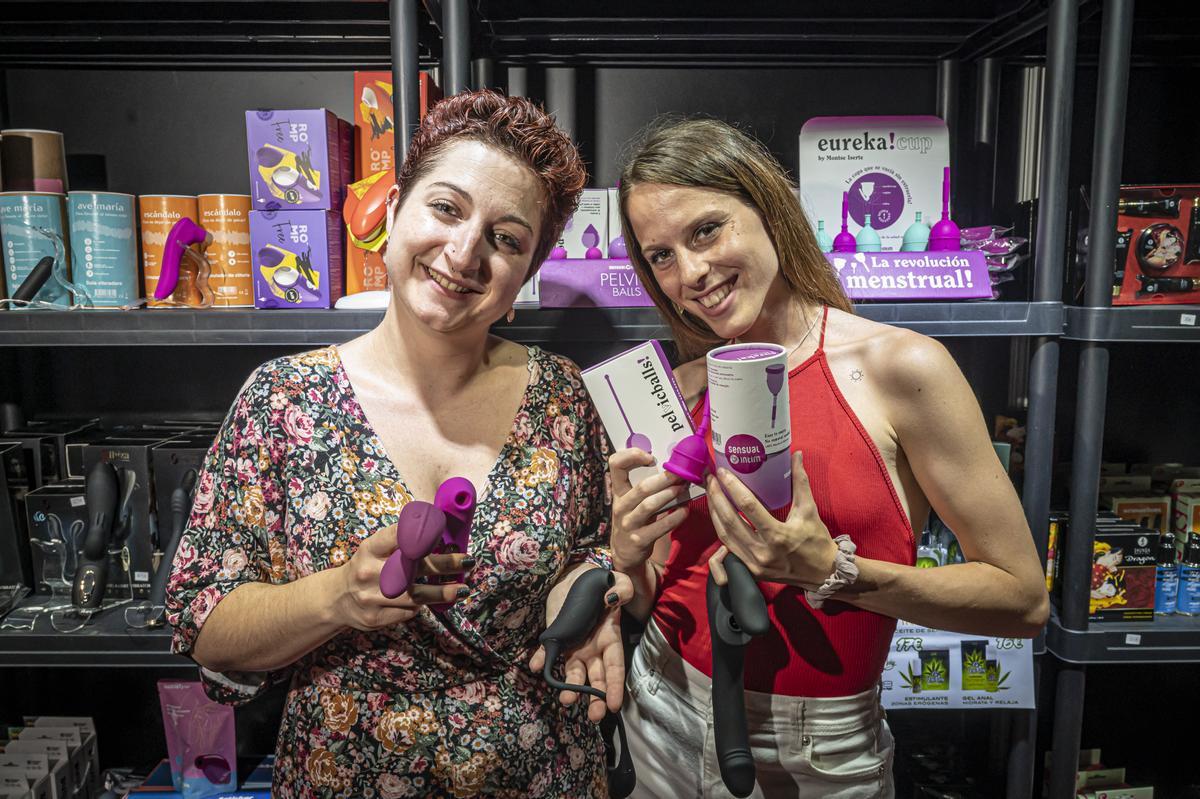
443	705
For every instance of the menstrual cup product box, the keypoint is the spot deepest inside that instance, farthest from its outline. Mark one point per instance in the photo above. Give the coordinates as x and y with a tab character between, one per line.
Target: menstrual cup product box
751	422
640	405
299	159
297	258
375	120
891	167
1123	574
586	233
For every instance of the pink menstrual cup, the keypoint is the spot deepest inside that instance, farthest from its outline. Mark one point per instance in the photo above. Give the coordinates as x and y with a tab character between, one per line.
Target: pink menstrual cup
775	379
419	528
689	459
844	241
945	235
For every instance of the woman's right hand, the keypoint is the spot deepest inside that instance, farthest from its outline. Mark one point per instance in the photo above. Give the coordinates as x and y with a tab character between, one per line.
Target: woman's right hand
636	523
362	604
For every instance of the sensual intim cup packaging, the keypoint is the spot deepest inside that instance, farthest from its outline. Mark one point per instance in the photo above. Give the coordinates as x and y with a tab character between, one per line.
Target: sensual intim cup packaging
297	257
104	247
751	423
227	218
299	159
640	405
160	212
21	215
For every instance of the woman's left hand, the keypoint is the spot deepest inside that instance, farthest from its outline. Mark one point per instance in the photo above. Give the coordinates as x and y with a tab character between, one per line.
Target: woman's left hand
797	551
600	660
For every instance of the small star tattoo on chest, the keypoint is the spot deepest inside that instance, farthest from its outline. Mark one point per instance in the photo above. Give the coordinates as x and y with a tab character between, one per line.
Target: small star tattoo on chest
856	375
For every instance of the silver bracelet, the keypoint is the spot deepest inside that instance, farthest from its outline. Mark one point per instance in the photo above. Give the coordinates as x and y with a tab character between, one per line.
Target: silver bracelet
845	572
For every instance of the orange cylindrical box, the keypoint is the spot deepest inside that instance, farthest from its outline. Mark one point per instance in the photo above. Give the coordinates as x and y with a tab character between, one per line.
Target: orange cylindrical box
227	218
159	214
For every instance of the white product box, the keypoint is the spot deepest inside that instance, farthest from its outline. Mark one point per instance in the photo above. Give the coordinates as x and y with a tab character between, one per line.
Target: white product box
891	167
80	767
530	295
87	736
614	227
62	783
586	234
636	396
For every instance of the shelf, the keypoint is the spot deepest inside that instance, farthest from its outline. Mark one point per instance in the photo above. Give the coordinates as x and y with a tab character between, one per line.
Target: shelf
246	326
341	34
1170	639
969	318
106	641
1150	323
756	33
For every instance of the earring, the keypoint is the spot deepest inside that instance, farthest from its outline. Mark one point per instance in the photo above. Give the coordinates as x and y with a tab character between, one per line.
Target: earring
511	315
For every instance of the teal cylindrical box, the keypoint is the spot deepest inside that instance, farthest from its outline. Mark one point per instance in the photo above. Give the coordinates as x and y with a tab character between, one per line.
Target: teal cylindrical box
104	247
22	214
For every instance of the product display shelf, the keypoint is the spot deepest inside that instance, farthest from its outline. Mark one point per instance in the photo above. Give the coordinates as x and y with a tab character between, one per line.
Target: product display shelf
105	641
859	32
342	34
234	326
1167	639
1151	324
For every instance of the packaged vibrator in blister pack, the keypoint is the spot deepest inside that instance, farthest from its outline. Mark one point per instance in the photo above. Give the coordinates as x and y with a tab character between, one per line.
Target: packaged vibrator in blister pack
1158	241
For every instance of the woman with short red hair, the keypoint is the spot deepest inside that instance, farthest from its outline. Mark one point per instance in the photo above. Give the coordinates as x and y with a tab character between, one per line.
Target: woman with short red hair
278	573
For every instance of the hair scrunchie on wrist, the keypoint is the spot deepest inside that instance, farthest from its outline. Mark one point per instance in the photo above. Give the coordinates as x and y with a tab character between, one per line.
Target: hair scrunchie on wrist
845	572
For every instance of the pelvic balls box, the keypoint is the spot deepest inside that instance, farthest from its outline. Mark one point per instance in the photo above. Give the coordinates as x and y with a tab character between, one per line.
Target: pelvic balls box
640	405
297	258
299	159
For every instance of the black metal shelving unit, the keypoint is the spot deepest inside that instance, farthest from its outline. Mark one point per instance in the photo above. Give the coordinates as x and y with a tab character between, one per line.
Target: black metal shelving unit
106	641
1074	642
516	34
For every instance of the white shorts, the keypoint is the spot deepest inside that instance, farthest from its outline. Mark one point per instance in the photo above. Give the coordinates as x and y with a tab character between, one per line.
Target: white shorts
836	748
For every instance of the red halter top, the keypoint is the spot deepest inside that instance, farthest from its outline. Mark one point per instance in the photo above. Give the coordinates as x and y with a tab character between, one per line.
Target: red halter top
839	650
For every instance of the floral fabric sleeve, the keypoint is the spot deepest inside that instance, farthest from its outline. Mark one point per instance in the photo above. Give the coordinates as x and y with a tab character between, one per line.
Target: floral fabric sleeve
594	491
235	532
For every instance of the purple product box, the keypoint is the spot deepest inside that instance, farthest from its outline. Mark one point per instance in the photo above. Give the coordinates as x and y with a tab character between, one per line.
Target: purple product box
296	258
961	275
299	159
600	283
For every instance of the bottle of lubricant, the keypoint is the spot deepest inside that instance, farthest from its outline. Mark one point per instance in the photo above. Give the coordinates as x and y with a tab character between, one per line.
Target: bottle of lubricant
751	422
1188	603
1166	578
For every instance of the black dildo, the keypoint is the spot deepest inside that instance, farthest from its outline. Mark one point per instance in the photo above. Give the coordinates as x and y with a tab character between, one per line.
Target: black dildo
581	611
736	613
91	578
180	505
34	281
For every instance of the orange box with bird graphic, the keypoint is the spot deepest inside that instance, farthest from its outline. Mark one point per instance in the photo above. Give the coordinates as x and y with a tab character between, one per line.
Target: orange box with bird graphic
375	120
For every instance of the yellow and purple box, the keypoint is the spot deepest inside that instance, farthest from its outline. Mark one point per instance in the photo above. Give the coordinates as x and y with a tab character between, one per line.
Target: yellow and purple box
299	159
296	258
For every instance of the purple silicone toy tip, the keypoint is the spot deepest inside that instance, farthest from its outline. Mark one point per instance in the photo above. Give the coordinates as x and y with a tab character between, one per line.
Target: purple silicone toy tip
616	248
456	498
558	254
418	529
